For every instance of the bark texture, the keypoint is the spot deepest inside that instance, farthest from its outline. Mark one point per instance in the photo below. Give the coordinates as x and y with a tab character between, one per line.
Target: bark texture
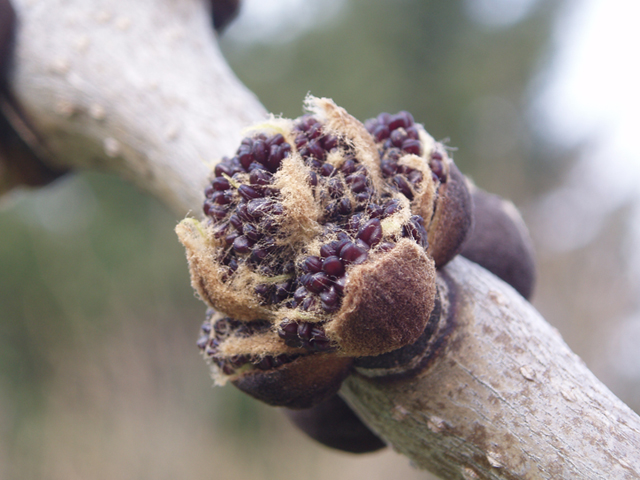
136	88
502	398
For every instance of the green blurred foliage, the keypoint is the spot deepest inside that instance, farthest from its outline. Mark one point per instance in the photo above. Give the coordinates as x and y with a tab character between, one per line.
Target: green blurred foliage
99	375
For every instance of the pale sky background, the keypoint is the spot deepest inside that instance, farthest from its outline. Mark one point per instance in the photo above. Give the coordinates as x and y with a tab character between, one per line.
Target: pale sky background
282	20
590	98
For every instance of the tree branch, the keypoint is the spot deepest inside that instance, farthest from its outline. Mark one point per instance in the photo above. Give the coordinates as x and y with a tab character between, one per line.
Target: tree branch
501	397
136	88
141	89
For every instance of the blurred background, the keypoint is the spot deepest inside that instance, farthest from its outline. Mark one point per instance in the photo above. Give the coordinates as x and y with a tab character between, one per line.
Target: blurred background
99	374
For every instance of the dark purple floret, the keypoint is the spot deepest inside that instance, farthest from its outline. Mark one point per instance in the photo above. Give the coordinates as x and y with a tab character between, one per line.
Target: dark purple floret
221	183
363	198
300	294
403	186
301	142
318	282
242	244
329	142
313	179
221	198
348	167
238	360
259	177
251	232
330	300
265	363
263	291
314	131
371	232
312	264
277	139
339	284
402	119
308	303
384	118
214	211
304	331
327	170
248	193
397	137
411	146
222	168
316	150
283	291
229	239
318	340
437	167
357	182
386	246
260	151
202	342
256	166
333	266
336	189
206	327
344	206
227	369
375	211
243	214
381	132
245	157
412	132
328	250
258	255
276	155
415	229
259	207
288	330
221	229
351	253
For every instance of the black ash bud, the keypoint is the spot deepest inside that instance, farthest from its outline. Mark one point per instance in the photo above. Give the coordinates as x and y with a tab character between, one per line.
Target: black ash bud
313	230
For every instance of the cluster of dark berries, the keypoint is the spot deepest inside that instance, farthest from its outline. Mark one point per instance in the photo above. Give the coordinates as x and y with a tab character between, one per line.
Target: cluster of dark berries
310	336
397	136
330	183
324	277
320	246
357	224
211	336
244	208
311	141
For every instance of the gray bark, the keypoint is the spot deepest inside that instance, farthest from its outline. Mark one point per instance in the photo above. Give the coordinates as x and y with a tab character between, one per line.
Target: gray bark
140	88
503	397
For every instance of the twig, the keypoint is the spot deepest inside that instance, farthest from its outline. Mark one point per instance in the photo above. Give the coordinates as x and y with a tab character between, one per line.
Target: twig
136	88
